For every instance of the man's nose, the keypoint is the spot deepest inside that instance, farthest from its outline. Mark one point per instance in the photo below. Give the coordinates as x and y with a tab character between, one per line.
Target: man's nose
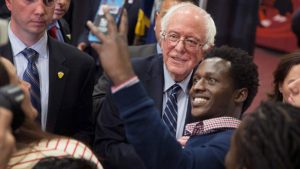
200	84
180	45
40	7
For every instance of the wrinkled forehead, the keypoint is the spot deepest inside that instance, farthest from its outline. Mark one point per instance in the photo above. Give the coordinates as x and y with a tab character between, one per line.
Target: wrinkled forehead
189	21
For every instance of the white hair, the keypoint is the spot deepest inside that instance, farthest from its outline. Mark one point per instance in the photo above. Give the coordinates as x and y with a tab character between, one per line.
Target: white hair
209	23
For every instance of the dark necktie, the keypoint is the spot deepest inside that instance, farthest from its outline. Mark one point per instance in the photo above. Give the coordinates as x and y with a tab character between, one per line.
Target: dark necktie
170	112
53	32
31	75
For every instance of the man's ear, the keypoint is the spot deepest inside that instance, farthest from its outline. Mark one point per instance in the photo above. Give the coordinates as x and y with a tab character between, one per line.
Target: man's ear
241	95
8	4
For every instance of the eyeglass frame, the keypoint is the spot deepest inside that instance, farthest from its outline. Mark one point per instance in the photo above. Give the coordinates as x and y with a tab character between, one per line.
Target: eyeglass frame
185	39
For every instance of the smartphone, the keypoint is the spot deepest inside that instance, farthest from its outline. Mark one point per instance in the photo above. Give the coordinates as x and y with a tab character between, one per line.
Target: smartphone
115	9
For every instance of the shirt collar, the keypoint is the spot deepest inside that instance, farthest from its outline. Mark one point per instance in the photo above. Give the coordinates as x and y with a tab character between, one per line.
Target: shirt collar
211	125
158	48
170	82
18	46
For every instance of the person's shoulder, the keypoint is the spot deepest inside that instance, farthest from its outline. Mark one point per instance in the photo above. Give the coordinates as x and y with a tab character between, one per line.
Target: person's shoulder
146	60
138	51
70	52
141	47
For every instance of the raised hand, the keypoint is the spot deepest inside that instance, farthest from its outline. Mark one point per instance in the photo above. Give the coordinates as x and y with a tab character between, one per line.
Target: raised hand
113	50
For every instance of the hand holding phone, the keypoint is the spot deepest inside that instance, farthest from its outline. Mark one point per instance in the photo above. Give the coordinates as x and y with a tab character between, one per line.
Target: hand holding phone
115	9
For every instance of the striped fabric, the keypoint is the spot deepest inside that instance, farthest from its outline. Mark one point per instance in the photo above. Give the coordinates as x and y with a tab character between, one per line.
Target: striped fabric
171	110
211	125
58	147
31	75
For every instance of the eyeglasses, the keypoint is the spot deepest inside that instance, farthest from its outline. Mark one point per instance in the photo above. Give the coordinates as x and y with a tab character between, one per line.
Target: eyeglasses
190	43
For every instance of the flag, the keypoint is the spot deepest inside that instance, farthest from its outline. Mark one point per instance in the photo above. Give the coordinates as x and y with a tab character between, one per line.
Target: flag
143	22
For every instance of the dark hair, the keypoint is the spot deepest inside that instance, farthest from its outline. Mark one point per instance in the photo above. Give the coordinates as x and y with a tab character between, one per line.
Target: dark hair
282	70
269	138
64	163
243	70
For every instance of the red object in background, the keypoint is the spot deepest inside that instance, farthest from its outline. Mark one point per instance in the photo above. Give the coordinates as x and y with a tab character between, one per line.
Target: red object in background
277	36
53	32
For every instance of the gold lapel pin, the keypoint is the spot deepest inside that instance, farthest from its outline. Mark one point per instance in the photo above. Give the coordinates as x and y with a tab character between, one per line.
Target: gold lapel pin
60	74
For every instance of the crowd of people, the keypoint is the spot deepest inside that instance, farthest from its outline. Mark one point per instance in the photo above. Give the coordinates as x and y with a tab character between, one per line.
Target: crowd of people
177	103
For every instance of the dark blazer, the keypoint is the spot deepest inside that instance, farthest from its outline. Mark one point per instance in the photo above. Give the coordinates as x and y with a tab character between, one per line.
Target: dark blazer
236	22
70	97
110	140
78	14
143	50
156	146
102	85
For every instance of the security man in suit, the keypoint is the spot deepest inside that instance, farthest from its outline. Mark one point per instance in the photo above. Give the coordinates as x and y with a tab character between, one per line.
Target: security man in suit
63	76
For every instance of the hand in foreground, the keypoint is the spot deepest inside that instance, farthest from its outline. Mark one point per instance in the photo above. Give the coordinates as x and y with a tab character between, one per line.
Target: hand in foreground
113	50
294	97
7	141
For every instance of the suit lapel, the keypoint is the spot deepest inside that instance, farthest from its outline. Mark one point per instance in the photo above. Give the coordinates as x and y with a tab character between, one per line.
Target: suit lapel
154	81
64	28
57	82
6	51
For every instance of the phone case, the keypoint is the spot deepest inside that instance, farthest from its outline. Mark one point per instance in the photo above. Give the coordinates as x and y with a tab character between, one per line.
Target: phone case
115	9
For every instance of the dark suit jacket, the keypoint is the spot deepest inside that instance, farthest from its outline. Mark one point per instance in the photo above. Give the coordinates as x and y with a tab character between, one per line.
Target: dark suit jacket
102	85
70	98
143	50
236	22
110	140
156	146
79	12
